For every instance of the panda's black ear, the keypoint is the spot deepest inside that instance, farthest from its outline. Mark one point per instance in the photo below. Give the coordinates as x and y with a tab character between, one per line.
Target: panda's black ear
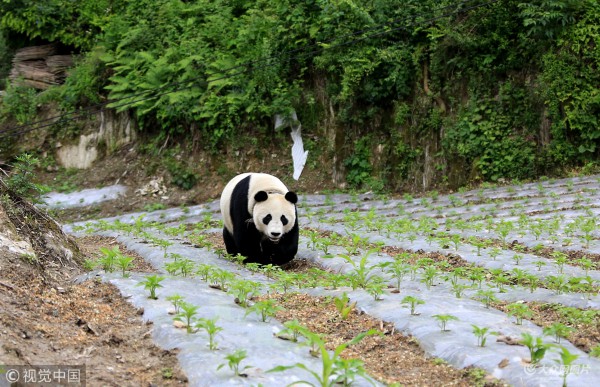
261	196
291	197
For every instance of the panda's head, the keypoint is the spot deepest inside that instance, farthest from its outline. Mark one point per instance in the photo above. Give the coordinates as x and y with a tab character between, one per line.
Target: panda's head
274	215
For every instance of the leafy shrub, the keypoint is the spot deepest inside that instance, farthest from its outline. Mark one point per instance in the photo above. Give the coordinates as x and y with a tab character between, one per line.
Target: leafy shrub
358	165
83	85
19	102
21	179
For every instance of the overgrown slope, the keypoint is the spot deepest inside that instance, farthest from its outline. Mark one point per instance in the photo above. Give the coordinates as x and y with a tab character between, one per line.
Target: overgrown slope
427	94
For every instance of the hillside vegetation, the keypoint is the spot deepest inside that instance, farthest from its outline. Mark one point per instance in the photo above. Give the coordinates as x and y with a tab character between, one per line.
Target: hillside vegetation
418	93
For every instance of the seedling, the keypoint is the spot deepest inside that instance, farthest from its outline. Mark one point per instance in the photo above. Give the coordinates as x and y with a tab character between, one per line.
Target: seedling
186	314
324	244
333	280
539	264
124	263
343	305
429	275
495	252
533	282
560	259
558	330
172	267
586	264
456	240
211	328
413	302
501	280
151	283
176	301
478	243
186	267
376	288
335	369
89	264
443	320
520	311
566	362
264	309
361	272
164	243
477	274
243	290
233	361
559	284
517	258
109	257
459	289
291	331
203	270
487	297
537	348
482	333
504	228
220	278
346	371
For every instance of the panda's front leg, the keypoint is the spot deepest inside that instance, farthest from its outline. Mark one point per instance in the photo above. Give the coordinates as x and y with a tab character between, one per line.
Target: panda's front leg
230	244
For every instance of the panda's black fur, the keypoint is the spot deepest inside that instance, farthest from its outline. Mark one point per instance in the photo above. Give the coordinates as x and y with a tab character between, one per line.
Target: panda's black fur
246	239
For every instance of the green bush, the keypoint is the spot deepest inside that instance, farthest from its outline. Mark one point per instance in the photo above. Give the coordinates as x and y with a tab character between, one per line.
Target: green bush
19	102
476	88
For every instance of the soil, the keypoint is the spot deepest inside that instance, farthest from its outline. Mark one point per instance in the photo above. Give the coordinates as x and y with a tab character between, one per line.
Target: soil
390	357
63	323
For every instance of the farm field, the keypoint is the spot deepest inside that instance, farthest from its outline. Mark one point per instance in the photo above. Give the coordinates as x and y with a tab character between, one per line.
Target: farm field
501	282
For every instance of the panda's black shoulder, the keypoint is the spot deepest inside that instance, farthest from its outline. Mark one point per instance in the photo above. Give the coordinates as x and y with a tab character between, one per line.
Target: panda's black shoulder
238	202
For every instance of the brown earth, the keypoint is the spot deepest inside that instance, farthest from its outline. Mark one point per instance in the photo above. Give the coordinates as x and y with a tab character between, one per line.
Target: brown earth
57	322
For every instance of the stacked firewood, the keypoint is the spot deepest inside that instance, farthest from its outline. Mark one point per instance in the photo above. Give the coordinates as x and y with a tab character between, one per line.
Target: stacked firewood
40	66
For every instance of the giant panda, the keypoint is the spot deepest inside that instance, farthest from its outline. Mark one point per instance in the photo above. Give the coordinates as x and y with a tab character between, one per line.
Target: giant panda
260	219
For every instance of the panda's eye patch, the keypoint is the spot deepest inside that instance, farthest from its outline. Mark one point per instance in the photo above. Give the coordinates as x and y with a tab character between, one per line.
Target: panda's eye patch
284	220
267	219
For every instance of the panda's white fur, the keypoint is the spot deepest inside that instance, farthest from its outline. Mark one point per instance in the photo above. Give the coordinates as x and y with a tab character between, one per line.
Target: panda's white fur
273	216
258	182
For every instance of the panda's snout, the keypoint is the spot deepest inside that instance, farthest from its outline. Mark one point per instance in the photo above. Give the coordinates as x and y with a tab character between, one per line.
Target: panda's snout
274	236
